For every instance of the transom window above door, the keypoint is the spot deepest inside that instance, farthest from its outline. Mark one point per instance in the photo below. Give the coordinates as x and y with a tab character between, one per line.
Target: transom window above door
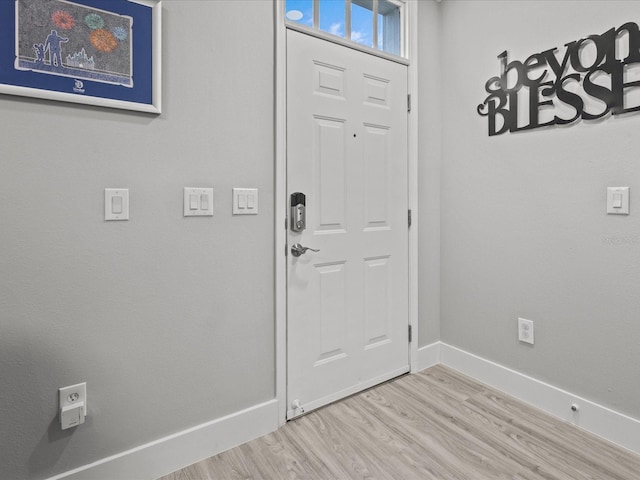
378	24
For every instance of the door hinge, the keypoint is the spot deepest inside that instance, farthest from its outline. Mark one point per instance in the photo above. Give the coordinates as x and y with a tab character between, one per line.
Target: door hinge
410	334
409	217
409	102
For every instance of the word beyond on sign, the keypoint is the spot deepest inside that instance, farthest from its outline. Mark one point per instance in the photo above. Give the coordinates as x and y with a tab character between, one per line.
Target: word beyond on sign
589	81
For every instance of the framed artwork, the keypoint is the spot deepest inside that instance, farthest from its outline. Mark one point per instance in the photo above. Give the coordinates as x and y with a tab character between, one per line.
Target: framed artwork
96	52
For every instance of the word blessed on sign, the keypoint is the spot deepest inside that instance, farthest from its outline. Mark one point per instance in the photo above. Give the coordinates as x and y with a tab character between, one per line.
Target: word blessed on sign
594	77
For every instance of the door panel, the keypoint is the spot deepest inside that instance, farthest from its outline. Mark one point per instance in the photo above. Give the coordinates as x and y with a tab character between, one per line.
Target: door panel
331	335
347	305
329	167
376	302
376	194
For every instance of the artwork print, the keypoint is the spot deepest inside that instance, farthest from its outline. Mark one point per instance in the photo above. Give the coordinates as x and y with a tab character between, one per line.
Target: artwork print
58	37
97	52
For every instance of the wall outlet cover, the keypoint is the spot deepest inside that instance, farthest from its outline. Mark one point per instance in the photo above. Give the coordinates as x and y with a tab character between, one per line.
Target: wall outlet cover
75	394
525	330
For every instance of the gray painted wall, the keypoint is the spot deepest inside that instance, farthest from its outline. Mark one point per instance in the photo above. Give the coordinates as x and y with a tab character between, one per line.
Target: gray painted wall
429	158
170	321
524	229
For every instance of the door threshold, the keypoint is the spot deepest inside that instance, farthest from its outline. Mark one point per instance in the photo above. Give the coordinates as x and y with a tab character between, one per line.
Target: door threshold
304	409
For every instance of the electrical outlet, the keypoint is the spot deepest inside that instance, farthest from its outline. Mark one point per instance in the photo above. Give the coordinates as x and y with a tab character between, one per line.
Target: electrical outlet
74	395
525	330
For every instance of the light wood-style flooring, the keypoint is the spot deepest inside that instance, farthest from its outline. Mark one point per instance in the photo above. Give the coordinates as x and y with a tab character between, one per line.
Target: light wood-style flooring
437	424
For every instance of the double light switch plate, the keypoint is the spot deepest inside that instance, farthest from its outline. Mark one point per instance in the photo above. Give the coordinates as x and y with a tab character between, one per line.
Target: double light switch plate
198	202
245	201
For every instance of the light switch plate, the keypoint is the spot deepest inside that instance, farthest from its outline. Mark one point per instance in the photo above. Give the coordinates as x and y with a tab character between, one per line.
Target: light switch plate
198	202
116	204
618	200
245	201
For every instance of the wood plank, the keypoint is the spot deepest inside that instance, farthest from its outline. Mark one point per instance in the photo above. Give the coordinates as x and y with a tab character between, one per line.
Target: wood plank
468	457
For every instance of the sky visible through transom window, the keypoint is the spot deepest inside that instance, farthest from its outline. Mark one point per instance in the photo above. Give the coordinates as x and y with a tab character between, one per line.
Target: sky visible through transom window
332	18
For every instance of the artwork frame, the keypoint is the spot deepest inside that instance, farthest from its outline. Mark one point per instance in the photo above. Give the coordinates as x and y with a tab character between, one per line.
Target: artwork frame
106	53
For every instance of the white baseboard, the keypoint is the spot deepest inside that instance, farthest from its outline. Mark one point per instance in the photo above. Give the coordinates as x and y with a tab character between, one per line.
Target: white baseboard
597	419
176	451
428	356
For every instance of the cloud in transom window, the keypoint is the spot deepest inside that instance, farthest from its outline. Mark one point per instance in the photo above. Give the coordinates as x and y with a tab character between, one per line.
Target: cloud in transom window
336	29
358	36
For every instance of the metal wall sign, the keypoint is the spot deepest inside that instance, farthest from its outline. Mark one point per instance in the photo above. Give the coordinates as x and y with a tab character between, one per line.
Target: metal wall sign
588	79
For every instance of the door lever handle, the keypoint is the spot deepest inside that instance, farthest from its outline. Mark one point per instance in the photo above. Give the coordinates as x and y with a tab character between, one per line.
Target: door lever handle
297	250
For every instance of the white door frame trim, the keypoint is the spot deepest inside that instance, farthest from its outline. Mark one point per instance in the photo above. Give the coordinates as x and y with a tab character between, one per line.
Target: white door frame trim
281	196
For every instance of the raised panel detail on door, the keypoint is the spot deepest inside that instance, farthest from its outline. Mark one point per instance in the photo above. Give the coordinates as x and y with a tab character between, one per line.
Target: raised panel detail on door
376	91
376	301
376	193
329	80
331	334
329	167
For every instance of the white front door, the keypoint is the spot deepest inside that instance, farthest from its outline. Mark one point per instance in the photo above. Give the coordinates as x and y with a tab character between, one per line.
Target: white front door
347	304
